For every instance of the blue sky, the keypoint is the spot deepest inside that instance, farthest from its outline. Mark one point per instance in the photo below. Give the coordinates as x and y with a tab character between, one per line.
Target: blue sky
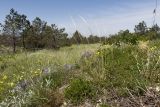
101	17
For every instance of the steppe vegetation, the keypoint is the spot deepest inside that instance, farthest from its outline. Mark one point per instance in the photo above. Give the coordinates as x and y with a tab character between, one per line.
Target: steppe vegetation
46	68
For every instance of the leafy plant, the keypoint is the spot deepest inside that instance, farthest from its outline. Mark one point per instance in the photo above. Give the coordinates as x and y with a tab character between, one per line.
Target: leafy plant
116	67
80	90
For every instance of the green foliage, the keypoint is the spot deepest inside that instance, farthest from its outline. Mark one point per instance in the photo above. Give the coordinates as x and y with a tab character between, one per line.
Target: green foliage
125	65
142	33
55	79
39	35
122	37
5	61
77	38
119	70
80	90
117	67
15	24
141	28
36	35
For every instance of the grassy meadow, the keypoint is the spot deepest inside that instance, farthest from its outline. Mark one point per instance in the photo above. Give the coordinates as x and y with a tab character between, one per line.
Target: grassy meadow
81	55
92	75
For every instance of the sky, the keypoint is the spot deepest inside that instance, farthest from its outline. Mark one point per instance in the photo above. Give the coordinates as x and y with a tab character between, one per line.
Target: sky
97	17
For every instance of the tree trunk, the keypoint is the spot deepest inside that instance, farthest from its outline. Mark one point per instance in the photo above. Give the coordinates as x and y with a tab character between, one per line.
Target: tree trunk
23	42
14	42
54	42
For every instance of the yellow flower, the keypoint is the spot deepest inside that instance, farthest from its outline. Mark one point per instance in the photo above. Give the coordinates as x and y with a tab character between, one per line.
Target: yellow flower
98	53
11	84
4	77
36	72
1	82
21	77
153	48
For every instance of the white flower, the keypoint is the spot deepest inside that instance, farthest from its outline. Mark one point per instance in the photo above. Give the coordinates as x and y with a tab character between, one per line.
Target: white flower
157	88
64	103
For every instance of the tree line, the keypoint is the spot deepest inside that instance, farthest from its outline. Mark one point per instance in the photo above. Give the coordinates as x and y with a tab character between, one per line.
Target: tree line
141	33
18	31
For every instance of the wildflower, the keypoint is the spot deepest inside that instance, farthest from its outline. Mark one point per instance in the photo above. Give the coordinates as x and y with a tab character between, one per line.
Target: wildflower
98	53
36	72
11	84
1	82
21	77
153	48
64	103
4	77
157	89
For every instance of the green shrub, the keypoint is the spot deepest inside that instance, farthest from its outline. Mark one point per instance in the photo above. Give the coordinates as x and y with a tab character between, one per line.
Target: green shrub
117	67
46	90
44	96
54	80
80	90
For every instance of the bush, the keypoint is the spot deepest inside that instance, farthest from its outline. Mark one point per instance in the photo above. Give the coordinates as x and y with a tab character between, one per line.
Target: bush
46	91
54	80
80	90
44	97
